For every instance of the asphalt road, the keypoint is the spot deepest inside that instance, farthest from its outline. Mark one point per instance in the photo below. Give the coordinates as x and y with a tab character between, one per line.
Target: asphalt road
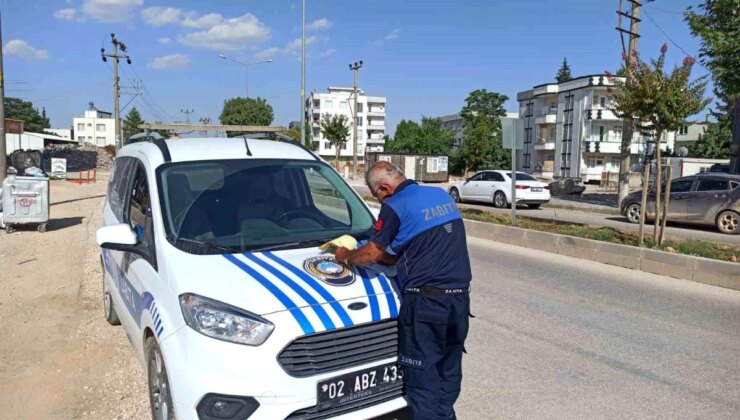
558	337
673	230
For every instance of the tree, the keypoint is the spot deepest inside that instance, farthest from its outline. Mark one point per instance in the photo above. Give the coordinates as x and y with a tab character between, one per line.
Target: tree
429	138
336	130
482	136
715	142
164	133
659	102
246	111
309	137
18	109
564	72
131	123
718	24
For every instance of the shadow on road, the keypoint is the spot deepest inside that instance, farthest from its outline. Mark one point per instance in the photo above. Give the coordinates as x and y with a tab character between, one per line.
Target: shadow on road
77	199
597	199
63	223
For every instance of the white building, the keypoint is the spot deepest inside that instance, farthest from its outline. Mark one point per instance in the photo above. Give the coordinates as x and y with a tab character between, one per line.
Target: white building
689	133
339	101
571	131
65	133
32	141
96	127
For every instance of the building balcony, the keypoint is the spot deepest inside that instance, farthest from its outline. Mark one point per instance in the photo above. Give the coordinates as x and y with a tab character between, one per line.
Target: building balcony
601	147
376	112
375	140
546	119
376	127
601	114
545	144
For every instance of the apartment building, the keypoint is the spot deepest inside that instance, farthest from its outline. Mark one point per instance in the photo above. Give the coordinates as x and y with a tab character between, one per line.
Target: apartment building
370	120
570	130
95	127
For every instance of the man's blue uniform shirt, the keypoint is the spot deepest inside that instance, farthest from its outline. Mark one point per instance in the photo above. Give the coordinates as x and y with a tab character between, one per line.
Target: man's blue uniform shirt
423	226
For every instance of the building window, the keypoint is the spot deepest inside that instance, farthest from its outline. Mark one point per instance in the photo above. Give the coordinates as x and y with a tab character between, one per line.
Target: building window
358	121
81	139
99	127
359	107
316	133
89	125
343	105
327	146
567	144
328	104
100	141
684	130
602	101
81	127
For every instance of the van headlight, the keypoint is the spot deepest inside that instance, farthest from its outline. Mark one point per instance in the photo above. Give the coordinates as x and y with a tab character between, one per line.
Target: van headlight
224	322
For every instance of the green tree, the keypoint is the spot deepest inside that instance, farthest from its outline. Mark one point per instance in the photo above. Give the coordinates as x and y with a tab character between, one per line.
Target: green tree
131	123
164	133
715	142
429	138
335	128
309	137
564	72
659	102
18	109
717	23
481	146
246	111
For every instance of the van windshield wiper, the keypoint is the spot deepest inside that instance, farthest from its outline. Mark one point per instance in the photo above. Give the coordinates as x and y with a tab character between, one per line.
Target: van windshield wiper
289	245
228	249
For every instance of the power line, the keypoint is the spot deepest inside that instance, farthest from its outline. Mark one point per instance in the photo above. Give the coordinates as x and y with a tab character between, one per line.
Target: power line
664	33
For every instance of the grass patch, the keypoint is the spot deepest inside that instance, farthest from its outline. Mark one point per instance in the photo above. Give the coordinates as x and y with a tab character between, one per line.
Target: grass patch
715	251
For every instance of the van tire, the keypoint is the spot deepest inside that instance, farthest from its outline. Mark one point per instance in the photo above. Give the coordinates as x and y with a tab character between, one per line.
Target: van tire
109	308
158	383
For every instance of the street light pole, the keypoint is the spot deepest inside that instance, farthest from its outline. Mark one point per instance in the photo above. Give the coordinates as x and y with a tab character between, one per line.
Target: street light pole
246	69
355	67
303	73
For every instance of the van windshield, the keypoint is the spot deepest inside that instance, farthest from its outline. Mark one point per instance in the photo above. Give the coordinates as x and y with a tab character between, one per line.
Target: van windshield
242	205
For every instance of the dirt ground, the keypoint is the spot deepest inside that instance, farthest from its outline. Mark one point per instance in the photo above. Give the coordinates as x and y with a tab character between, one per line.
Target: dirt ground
59	359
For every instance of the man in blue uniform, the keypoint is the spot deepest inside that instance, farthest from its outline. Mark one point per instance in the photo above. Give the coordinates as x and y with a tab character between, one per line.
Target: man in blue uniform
424	229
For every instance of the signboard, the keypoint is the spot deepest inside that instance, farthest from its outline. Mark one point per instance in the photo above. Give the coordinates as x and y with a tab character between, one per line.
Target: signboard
13	126
443	163
384	158
58	168
512	133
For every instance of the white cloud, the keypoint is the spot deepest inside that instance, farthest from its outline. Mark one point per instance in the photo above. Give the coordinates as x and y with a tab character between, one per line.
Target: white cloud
165	41
110	11
327	53
161	16
170	62
394	34
66	14
22	49
229	34
203	22
268	53
319	24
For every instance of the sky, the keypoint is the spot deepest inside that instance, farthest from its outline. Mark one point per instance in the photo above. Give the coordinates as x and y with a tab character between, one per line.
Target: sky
425	56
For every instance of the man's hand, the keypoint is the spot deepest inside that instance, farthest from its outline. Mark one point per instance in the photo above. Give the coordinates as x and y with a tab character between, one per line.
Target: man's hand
341	254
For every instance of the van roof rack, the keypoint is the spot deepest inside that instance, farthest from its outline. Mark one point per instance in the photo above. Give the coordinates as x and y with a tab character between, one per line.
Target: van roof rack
154	138
281	138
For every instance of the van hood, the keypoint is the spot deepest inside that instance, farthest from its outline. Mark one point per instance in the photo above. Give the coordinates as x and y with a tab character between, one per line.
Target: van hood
296	281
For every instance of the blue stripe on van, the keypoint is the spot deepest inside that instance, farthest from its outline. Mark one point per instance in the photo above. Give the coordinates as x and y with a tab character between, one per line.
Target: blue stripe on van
315	305
388	295
374	306
346	320
285	300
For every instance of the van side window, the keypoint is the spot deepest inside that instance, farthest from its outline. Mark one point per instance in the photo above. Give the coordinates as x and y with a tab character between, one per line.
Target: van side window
140	214
118	186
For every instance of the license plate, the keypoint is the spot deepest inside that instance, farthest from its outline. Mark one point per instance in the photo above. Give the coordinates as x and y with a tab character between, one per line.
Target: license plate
536	189
358	385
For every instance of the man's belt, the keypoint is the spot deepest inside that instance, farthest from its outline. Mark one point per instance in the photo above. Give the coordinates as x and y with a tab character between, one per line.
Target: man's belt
435	291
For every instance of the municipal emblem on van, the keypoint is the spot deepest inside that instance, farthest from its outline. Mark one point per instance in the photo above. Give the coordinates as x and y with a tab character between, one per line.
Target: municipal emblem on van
330	271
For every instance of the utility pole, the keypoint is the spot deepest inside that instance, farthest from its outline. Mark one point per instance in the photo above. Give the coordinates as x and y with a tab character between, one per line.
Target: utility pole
303	74
355	67
628	123
117	46
187	113
3	152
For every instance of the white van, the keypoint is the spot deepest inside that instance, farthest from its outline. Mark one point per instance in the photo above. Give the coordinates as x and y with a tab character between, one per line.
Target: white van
211	264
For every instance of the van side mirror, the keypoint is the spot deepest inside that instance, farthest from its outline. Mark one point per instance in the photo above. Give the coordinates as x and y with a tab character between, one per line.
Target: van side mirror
118	237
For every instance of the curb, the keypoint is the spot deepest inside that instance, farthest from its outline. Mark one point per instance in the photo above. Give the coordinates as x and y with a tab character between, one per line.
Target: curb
588	209
686	267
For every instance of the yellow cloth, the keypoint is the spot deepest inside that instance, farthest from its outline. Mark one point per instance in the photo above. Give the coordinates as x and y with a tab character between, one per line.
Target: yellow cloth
344	241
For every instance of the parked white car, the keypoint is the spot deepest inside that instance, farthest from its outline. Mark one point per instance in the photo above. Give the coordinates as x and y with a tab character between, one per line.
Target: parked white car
211	264
495	187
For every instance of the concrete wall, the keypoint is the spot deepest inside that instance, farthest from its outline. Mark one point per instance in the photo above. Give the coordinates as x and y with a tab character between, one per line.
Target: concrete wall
701	270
